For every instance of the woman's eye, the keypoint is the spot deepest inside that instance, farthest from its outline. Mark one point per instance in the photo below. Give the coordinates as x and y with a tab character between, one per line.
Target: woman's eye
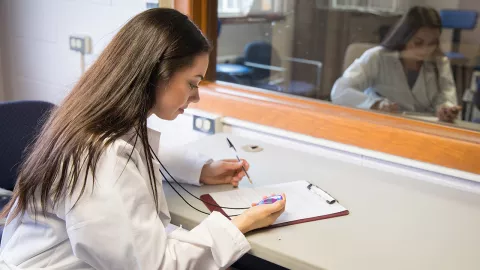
193	86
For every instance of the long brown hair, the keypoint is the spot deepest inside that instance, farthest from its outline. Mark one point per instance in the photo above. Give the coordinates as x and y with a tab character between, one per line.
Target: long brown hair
111	99
415	18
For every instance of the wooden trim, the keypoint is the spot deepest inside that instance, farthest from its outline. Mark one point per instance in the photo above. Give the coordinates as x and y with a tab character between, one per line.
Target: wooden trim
204	14
166	3
184	6
428	142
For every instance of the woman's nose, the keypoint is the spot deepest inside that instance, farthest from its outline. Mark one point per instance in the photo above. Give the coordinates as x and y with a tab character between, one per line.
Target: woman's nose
195	98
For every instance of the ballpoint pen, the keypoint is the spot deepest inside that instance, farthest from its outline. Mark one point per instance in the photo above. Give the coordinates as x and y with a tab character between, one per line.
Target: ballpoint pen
230	144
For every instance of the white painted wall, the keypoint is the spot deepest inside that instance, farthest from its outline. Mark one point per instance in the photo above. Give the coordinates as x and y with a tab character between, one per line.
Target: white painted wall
166	3
40	64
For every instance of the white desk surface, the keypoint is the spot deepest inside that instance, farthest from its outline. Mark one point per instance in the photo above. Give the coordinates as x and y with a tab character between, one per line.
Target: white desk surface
395	222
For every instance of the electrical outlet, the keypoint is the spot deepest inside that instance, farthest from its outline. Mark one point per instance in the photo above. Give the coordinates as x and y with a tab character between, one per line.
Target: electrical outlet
82	44
152	3
207	124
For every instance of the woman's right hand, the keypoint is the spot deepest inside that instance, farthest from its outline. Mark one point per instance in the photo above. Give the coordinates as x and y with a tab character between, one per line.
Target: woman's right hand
259	216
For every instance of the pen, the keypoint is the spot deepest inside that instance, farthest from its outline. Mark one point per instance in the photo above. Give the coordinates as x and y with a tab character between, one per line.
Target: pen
329	199
230	144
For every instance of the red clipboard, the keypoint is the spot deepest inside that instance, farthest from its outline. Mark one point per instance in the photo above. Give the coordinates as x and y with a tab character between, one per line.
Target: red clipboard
208	200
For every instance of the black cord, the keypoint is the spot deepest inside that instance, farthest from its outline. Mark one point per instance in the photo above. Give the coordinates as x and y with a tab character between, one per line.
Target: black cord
182	196
178	193
173	178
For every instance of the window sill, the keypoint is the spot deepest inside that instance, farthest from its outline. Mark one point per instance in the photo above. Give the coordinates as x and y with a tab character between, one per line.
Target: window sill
446	146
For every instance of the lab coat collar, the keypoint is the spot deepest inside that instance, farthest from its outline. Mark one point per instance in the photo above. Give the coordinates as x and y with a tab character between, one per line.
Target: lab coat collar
429	72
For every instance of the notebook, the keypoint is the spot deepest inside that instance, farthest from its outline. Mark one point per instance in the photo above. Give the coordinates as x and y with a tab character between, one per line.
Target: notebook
303	205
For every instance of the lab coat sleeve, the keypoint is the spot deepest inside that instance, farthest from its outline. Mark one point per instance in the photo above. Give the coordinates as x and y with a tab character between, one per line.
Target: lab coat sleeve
116	226
447	95
349	89
184	164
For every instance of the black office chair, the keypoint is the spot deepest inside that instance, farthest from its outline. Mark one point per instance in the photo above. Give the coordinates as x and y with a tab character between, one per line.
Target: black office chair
20	121
262	57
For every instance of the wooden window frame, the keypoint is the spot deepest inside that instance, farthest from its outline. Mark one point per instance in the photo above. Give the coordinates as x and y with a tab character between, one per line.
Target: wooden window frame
432	143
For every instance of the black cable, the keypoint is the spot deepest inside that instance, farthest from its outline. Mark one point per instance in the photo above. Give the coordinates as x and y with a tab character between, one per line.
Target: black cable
178	193
182	196
173	178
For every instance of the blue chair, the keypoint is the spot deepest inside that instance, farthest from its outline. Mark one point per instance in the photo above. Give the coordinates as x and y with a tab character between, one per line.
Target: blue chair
261	57
458	20
231	72
20	121
224	76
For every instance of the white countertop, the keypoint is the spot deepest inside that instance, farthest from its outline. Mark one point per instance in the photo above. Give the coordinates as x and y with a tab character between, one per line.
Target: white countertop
395	221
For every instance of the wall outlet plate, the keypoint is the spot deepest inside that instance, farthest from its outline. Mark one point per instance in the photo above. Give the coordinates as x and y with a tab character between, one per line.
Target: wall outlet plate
81	44
205	124
152	5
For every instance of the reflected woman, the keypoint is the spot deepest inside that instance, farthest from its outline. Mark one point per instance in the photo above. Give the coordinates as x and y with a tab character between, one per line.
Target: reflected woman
407	73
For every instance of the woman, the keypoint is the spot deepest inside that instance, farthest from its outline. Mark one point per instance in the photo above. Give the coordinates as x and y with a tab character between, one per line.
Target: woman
408	72
89	195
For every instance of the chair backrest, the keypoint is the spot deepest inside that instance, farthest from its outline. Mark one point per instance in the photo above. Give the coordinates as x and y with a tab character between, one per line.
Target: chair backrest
20	121
260	52
458	19
354	51
225	77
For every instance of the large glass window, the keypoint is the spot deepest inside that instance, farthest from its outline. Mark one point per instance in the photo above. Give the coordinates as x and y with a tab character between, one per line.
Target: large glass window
409	58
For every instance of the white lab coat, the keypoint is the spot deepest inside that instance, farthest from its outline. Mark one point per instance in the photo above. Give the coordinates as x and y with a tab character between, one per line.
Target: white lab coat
117	227
378	74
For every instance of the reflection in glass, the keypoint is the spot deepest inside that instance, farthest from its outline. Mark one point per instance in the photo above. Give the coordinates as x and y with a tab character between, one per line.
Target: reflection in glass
390	54
407	72
254	59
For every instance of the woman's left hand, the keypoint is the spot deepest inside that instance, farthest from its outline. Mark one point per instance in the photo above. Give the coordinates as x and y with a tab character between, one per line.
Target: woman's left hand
227	171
